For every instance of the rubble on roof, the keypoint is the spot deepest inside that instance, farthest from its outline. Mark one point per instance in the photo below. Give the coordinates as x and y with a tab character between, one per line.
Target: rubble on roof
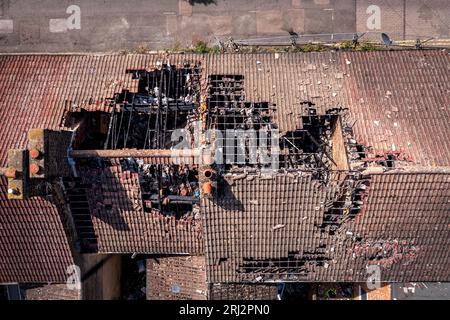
168	194
128	214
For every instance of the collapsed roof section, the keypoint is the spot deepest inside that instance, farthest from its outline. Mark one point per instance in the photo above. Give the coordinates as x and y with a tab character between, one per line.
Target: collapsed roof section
121	201
134	172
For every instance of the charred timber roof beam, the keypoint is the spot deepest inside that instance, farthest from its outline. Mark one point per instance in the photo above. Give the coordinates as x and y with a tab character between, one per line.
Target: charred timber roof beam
134	153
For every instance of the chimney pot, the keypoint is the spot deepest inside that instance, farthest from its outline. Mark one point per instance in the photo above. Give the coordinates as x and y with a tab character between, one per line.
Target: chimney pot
207	188
34	168
35	153
11	173
208	174
13	191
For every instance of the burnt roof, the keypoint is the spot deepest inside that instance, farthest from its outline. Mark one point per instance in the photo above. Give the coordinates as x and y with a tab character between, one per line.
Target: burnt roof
120	223
398	101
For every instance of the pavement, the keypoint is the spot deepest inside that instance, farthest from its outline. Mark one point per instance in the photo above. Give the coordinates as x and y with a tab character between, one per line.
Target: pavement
113	25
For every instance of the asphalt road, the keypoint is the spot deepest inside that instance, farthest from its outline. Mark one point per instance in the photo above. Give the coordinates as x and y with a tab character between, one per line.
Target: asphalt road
100	25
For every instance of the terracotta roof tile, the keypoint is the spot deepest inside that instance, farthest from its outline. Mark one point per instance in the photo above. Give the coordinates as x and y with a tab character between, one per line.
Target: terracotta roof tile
33	244
243	291
175	278
266	225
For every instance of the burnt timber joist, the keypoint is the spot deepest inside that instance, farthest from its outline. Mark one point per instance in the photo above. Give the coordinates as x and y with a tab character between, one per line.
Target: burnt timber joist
134	153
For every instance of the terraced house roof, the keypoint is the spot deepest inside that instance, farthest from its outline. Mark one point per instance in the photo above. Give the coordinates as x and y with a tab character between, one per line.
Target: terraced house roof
398	102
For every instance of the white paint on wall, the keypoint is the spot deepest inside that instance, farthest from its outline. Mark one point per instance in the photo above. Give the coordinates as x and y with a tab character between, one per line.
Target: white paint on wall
6	26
